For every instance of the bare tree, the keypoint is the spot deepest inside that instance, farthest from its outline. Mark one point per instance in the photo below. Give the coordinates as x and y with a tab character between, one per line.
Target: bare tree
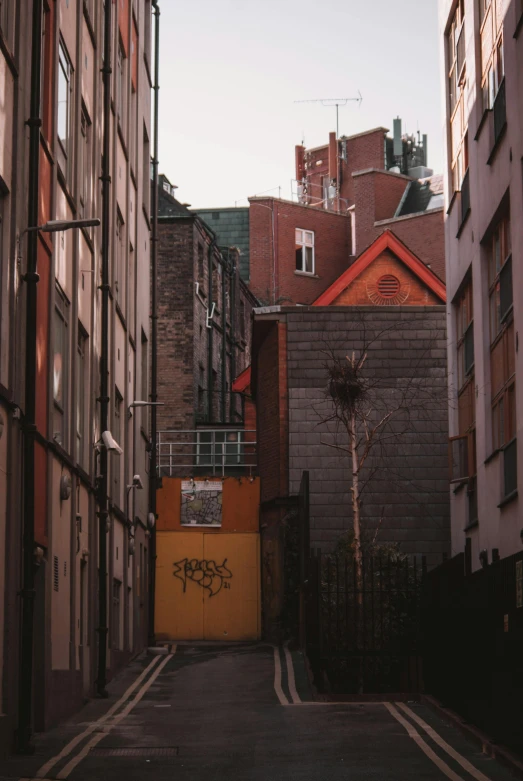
371	409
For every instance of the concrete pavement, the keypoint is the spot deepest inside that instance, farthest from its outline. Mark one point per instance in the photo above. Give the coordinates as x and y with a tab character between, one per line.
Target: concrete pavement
246	712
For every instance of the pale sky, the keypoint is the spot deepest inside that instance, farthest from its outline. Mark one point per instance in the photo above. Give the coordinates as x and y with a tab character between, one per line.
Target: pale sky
230	71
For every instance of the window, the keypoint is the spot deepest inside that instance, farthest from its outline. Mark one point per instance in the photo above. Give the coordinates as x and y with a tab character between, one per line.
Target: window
65	112
7	20
115	616
304	251
145	382
60	367
216	278
117	434
121	88
133	128
82	380
132	292
465	334
456	87
492	52
201	390
121	263
201	265
499	276
242	319
89	11
85	166
147	31
456	55
146	162
463	446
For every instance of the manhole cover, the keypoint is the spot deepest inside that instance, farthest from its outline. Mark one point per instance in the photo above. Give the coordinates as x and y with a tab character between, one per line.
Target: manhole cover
143	751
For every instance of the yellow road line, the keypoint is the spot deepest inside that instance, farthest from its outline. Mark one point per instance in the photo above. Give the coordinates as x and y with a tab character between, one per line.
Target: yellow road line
117	719
277	677
465	764
290	674
42	773
416	737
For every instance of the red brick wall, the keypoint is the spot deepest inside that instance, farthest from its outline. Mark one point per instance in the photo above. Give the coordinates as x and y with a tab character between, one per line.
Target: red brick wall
424	236
360	291
377	195
332	248
364	151
273	414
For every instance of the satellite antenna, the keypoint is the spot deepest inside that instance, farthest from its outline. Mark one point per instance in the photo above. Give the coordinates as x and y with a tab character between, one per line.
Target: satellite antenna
330	102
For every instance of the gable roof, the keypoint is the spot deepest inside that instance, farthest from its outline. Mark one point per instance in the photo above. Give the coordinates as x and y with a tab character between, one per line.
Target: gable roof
242	382
389	241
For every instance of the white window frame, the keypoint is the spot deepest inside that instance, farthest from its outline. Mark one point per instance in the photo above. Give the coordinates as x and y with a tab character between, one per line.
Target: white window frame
302	240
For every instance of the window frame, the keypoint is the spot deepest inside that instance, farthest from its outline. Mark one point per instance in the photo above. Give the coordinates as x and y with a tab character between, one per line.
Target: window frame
497	318
65	146
300	241
82	363
60	405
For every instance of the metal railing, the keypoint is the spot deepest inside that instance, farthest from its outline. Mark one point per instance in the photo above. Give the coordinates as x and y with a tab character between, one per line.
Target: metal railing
207	452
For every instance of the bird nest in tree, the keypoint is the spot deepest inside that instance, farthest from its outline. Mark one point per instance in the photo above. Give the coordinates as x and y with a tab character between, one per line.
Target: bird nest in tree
345	386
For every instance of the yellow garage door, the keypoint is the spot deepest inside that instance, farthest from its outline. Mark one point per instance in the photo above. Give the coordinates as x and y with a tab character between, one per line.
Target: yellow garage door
207	586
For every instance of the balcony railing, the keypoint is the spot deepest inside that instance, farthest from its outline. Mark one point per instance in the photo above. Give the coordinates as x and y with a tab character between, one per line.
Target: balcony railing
206	453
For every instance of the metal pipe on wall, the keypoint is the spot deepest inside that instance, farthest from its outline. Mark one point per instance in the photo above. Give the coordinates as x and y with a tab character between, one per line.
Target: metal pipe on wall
224	343
103	513
25	670
153	482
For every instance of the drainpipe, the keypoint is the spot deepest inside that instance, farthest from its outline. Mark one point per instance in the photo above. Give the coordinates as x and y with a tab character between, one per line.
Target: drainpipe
210	337
103	513
25	670
224	343
232	339
153	482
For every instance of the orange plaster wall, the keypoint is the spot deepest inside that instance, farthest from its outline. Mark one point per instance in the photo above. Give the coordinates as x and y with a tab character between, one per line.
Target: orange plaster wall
240	506
387	263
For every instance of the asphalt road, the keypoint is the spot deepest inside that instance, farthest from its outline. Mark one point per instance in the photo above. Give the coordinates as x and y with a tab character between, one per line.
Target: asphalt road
228	713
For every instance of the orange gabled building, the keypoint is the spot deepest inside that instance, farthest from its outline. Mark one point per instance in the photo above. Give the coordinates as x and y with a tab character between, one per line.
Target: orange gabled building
386	274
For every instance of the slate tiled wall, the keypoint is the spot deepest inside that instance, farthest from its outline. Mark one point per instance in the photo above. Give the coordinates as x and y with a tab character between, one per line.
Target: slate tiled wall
407	495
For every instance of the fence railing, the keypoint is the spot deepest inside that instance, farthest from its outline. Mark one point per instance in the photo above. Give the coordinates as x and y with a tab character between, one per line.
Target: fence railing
363	628
473	644
206	452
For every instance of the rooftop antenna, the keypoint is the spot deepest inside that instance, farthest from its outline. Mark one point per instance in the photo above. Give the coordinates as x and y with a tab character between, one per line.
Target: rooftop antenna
329	102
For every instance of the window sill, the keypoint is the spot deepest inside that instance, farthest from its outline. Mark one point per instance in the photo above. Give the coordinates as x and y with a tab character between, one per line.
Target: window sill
482	123
492	456
471	525
508	499
452	201
463	222
306	274
497	144
459	485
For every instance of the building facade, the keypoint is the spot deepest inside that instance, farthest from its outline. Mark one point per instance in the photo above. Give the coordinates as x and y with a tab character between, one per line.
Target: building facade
66	173
482	52
388	310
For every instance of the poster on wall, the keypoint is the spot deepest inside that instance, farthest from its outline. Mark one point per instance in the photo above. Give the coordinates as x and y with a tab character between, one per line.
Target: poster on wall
201	503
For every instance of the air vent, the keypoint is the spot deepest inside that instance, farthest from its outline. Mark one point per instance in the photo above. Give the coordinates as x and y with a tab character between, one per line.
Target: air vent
388	286
55	573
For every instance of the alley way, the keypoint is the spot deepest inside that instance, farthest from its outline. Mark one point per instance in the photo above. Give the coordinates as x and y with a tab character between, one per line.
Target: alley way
245	712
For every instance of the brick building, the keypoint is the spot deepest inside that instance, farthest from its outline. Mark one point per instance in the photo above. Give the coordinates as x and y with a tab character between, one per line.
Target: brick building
347	194
482	48
204	322
389	303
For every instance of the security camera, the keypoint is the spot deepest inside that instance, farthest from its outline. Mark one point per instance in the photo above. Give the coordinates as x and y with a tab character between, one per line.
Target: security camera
137	482
111	444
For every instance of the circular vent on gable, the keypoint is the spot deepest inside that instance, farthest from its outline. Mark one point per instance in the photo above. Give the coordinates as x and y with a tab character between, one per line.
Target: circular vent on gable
388	286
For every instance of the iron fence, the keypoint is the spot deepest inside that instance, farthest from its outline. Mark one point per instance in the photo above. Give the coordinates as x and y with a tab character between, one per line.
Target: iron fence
473	644
363	631
207	452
